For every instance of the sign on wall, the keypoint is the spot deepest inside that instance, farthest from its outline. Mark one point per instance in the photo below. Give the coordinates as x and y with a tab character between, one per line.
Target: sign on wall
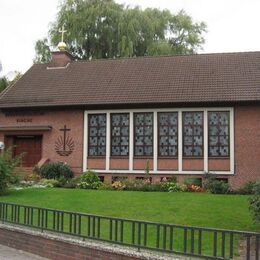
64	145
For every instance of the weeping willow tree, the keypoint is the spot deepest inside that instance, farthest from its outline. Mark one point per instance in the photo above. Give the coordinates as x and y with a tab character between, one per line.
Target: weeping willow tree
105	29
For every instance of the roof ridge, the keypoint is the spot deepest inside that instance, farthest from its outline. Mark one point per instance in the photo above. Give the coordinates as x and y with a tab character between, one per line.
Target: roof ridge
164	56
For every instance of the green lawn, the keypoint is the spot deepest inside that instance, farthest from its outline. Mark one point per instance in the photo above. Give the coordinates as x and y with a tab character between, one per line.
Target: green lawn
195	209
192	209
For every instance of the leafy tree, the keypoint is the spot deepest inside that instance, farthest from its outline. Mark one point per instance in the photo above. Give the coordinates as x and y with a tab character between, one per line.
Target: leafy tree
3	83
8	163
160	48
185	35
18	75
105	29
42	51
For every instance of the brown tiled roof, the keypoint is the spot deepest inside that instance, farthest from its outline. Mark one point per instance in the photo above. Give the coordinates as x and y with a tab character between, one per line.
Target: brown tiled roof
203	78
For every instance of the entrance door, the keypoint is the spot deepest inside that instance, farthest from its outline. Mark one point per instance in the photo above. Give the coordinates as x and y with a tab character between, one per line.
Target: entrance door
30	147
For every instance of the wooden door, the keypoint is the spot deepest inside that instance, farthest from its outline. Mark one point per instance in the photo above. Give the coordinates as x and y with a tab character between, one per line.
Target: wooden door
30	147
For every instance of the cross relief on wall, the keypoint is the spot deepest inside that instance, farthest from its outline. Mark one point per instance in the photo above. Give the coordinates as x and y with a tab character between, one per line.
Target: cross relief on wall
64	145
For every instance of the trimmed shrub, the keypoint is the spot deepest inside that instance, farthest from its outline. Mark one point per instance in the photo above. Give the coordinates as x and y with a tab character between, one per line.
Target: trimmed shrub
105	186
86	185
7	166
32	177
141	185
89	180
15	180
172	179
169	179
56	170
50	183
157	186
118	185
212	184
119	178
36	169
254	202
175	187
72	183
193	181
247	188
89	176
135	185
218	187
146	185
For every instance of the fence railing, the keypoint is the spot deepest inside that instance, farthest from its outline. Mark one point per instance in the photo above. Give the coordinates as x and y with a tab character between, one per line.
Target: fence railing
187	240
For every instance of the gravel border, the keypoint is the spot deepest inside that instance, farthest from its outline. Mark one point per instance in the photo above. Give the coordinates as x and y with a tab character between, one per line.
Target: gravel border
107	247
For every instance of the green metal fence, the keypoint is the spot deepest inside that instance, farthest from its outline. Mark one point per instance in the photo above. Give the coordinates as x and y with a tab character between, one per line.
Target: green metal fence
186	240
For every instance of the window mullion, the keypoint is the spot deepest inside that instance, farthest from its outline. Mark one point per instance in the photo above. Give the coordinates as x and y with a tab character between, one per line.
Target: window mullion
107	141
131	140
231	141
85	142
155	141
205	136
180	141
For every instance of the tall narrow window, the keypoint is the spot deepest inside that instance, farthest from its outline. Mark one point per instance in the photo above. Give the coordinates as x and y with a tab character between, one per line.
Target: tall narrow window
193	134
97	135
119	134
218	125
143	134
168	134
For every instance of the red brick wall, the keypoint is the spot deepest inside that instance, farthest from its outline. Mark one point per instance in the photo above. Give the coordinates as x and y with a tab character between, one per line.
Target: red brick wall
96	163
55	249
219	164
167	164
192	164
72	118
247	145
141	164
119	163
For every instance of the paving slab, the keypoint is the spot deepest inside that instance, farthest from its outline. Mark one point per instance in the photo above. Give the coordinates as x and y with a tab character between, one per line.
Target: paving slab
8	253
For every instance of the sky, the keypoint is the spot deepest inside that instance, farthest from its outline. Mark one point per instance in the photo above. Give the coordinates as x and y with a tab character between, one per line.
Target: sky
233	25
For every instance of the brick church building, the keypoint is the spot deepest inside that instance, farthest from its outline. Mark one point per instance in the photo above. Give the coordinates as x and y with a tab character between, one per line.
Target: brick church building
177	115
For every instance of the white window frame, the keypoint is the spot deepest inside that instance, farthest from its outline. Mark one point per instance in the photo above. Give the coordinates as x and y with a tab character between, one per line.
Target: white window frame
155	149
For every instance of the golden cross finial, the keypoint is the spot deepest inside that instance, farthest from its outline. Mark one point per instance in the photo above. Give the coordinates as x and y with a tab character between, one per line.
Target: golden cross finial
62	31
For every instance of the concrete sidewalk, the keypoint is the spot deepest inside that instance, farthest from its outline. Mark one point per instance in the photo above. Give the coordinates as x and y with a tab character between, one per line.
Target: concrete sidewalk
8	253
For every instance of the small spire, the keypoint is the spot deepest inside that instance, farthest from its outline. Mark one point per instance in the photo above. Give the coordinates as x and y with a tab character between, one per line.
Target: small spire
62	45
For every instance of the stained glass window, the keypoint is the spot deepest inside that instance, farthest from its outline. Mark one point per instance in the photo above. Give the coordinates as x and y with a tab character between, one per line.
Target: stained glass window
119	134
193	134
168	134
143	134
97	135
218	128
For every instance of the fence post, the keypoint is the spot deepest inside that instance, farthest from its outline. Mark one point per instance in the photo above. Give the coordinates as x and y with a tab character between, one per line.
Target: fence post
257	238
